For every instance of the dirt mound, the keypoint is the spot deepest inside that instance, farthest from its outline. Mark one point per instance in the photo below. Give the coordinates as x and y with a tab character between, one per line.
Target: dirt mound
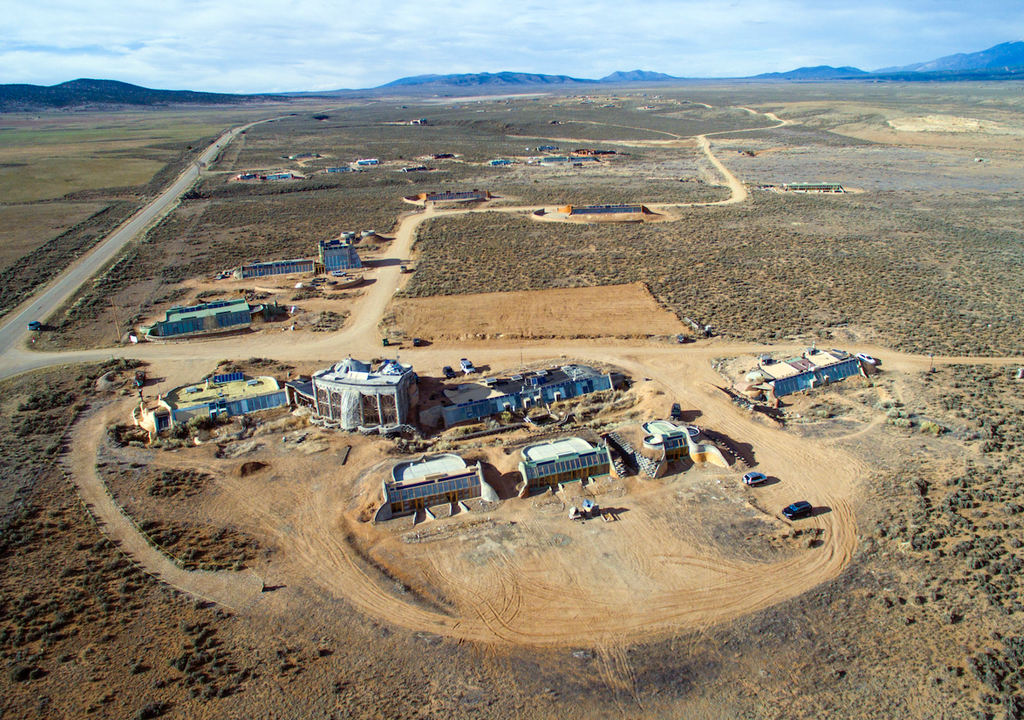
250	468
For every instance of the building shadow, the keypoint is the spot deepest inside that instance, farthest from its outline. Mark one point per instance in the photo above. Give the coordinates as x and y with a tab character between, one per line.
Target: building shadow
503	483
741	451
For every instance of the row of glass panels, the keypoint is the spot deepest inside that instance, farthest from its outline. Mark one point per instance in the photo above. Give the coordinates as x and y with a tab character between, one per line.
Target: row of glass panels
461	482
559	466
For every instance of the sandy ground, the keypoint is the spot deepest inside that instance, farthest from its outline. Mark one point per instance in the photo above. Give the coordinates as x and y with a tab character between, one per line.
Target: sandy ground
565	312
530	577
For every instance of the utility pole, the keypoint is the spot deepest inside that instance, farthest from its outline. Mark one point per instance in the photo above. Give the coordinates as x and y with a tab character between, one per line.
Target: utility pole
117	326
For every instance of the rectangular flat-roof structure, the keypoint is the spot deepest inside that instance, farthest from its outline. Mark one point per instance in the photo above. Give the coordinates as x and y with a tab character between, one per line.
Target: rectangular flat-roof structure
205	392
432	480
557	448
814	187
457	196
603	209
563	460
235	395
275	267
218	316
408	473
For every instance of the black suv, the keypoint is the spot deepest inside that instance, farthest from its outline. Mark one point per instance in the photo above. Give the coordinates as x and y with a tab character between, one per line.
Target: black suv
798	510
677	412
448	372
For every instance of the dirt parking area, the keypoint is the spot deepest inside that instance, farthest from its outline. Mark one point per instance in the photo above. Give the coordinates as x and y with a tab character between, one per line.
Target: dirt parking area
615	311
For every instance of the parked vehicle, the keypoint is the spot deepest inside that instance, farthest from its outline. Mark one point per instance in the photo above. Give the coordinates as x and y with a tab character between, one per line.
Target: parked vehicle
416	342
864	357
798	510
755	478
677	412
35	326
467	366
385	342
140	378
448	372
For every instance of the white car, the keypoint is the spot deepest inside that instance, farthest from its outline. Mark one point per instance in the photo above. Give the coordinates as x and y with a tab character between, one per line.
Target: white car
864	357
467	366
754	478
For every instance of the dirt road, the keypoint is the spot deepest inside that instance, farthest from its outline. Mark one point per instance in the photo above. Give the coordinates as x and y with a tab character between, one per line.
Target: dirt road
230	589
42	306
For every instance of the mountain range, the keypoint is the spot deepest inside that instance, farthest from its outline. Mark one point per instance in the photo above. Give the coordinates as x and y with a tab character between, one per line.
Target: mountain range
1006	55
1004	61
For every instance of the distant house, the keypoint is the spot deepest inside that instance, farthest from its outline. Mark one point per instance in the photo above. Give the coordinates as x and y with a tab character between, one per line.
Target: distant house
367	162
603	209
419	121
338	255
202	319
415	168
280	176
275	267
814	187
246	176
499	162
340	169
814	368
450	196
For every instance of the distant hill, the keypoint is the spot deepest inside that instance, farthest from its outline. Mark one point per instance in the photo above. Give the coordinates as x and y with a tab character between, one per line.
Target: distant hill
510	79
486	79
821	72
637	76
1004	56
100	93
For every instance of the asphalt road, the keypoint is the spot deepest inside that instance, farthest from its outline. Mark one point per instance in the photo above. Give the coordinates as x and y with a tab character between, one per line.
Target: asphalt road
42	306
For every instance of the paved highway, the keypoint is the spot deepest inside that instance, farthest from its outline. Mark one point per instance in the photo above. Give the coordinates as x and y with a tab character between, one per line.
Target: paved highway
42	306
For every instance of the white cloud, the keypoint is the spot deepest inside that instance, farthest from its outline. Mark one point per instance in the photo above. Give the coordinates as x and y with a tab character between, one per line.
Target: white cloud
262	46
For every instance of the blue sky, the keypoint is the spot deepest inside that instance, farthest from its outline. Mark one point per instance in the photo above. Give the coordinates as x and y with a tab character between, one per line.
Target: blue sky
262	46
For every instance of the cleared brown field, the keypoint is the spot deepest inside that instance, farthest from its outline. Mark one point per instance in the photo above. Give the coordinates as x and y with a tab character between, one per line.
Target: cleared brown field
618	310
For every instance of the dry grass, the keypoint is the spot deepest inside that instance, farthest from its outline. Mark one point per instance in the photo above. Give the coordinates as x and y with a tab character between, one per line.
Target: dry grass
773	268
24	228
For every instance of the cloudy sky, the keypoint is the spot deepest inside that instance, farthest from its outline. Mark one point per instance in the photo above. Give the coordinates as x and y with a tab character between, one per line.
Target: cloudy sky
270	46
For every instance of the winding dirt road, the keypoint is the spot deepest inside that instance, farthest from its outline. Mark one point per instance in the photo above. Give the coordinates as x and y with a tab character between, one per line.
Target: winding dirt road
537	598
230	589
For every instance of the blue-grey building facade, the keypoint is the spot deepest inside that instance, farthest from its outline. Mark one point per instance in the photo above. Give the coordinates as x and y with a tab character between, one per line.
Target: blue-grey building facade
338	255
571	381
816	377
